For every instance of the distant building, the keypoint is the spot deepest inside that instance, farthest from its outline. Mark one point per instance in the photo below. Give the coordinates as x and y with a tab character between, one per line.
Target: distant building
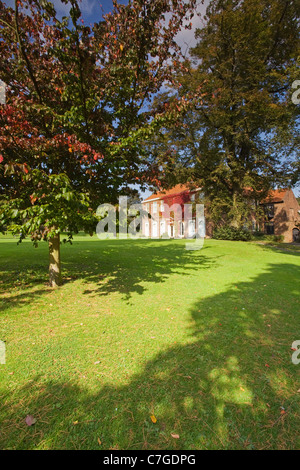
282	214
166	214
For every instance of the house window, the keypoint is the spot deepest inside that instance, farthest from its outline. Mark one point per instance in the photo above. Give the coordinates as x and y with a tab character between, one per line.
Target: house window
181	229
269	211
147	233
191	228
269	228
154	230
155	207
192	197
147	207
161	206
201	228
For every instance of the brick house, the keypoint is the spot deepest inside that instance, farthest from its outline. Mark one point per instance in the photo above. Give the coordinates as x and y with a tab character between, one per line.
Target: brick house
282	213
166	209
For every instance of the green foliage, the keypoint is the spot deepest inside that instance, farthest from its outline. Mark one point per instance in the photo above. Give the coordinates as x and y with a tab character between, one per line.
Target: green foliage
77	108
242	67
268	238
231	233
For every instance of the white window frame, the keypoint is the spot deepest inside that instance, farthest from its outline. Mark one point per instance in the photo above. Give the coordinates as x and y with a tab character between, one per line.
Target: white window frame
154	233
181	228
162	208
154	207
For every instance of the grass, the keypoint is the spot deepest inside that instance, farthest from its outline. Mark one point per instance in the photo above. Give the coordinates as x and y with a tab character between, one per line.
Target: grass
199	339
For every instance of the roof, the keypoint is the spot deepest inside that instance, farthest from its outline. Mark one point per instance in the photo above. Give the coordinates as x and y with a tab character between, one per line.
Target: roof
275	195
178	189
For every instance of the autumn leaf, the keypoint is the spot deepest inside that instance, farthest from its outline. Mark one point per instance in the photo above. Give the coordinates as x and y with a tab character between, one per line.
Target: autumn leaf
30	420
153	419
175	436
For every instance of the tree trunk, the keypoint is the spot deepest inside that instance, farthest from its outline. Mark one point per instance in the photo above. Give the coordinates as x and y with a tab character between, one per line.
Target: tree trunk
235	213
54	261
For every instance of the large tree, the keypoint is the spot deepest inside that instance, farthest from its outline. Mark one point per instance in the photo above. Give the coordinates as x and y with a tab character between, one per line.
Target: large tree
234	137
77	110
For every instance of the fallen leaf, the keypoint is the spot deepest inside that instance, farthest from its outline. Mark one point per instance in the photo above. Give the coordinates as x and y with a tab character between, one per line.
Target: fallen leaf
153	419
99	442
30	420
75	422
175	436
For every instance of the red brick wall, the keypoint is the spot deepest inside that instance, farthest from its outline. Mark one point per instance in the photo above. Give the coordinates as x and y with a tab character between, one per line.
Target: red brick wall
286	216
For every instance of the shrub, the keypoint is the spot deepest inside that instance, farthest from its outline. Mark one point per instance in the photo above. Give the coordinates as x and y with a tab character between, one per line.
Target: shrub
268	238
231	233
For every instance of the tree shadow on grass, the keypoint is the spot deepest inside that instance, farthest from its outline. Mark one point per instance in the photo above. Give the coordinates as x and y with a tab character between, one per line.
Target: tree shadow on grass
123	266
126	266
20	285
231	386
285	248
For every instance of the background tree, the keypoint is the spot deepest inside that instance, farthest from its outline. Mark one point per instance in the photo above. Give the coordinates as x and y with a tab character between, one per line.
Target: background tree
77	111
235	135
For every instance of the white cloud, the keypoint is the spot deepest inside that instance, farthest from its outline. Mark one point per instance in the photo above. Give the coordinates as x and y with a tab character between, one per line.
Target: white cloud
186	38
87	7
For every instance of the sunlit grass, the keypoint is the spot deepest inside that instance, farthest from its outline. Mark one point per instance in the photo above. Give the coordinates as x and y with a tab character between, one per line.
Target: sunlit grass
199	339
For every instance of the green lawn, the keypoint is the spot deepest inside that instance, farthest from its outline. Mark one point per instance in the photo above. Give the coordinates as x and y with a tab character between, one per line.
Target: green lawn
199	339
